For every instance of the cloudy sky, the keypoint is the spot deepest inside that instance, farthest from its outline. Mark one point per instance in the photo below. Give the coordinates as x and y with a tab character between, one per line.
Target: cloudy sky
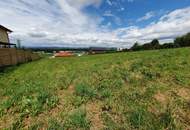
84	23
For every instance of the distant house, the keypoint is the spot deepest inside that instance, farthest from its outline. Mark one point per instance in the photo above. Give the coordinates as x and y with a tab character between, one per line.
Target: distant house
101	50
4	37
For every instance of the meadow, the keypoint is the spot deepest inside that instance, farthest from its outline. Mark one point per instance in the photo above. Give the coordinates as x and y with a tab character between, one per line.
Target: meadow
147	90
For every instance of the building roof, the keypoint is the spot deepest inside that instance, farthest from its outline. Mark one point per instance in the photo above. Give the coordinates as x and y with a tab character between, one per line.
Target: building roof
64	54
6	29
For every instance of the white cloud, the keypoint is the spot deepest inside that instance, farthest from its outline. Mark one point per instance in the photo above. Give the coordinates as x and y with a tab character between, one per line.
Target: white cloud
64	23
117	20
166	29
56	20
109	2
82	3
147	16
108	13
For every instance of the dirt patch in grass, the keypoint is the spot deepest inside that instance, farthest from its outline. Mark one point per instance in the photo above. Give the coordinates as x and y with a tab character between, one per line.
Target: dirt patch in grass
52	113
184	117
94	115
6	121
137	76
161	97
27	122
184	93
41	118
153	110
71	89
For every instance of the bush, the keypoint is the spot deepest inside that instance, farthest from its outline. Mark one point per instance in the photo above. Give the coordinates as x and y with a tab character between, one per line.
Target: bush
183	41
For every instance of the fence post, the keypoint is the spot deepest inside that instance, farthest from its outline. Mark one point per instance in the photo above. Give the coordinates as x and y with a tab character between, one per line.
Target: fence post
11	60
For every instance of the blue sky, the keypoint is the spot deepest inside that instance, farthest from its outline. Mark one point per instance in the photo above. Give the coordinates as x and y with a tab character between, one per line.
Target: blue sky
84	23
130	11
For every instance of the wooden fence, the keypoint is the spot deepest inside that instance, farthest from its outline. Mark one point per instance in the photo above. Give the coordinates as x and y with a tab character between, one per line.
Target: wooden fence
13	56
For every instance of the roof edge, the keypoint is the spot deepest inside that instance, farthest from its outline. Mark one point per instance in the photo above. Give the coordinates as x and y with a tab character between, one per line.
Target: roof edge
4	28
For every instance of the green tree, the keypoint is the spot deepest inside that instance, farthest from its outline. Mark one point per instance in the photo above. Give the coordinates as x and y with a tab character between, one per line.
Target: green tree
183	41
155	44
136	47
179	42
187	39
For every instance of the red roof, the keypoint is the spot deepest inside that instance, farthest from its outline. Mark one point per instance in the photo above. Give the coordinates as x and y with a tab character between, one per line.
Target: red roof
6	29
64	54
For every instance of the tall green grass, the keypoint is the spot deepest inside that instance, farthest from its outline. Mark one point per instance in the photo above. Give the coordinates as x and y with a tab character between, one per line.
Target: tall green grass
123	84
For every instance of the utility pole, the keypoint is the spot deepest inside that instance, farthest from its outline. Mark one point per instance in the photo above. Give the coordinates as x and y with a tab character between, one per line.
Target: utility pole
19	43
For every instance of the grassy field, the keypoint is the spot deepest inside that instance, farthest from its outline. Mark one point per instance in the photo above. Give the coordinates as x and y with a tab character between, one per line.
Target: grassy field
148	90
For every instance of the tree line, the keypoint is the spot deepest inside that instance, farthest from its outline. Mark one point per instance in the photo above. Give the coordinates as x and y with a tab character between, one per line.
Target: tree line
182	41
